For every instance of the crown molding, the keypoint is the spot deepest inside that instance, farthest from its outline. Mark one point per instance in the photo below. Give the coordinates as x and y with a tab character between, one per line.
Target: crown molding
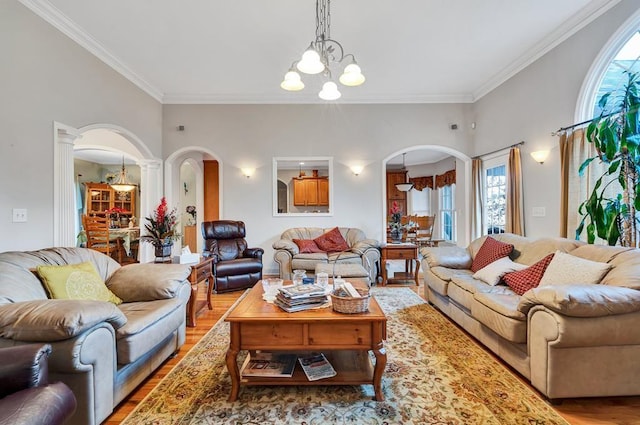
53	16
310	98
594	10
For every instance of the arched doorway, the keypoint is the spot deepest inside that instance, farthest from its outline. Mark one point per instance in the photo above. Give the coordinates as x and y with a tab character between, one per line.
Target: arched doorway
196	158
66	139
464	188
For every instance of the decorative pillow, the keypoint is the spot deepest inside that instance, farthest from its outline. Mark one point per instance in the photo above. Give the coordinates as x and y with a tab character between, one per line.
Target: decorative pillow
523	280
493	272
307	246
567	269
76	282
332	241
490	251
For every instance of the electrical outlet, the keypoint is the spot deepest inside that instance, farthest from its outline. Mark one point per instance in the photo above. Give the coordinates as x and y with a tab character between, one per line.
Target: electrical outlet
538	212
19	215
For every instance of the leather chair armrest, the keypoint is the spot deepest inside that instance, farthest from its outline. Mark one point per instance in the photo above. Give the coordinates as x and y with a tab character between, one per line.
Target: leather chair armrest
209	254
254	253
22	367
48	405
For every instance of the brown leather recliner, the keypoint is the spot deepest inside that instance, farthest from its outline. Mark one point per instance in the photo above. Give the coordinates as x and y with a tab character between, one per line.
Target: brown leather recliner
25	395
234	265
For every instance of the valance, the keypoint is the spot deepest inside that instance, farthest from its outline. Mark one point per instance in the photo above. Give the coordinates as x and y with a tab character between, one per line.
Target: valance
446	179
420	183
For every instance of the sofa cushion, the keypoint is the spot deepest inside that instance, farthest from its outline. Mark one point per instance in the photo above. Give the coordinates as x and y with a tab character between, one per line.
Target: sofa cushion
493	272
490	251
453	257
308	261
540	248
307	246
624	270
332	241
599	253
148	281
462	288
566	269
499	312
447	274
148	324
523	280
76	282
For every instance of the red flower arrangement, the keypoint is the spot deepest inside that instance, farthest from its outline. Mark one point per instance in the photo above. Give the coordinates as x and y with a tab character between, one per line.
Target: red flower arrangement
114	210
162	225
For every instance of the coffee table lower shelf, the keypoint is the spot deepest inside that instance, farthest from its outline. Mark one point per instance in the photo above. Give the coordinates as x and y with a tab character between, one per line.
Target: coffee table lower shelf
353	367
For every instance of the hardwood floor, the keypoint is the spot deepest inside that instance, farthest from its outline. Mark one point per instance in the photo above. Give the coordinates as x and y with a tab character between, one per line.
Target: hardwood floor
599	411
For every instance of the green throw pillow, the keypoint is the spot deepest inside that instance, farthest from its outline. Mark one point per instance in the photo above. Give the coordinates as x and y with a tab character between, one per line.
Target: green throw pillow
76	282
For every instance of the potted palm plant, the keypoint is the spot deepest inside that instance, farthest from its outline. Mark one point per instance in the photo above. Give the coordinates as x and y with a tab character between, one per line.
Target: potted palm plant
616	138
161	230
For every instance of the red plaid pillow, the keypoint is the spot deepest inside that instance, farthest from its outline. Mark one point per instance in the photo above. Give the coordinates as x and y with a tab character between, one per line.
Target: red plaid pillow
307	246
490	251
523	280
332	241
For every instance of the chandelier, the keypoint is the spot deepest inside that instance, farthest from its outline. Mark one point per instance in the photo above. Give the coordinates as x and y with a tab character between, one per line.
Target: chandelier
321	53
406	186
122	184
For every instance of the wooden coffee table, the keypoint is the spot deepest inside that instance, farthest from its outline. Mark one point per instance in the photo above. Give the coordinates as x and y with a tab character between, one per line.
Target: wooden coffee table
345	339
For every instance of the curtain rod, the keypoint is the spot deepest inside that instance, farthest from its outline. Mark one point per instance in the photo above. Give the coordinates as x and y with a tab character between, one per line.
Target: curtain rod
572	126
498	150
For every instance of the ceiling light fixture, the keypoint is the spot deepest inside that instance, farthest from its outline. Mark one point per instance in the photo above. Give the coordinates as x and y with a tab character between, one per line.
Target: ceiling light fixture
404	187
122	184
318	57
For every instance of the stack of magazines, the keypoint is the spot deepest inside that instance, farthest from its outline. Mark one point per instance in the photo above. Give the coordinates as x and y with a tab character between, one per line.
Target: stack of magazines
301	297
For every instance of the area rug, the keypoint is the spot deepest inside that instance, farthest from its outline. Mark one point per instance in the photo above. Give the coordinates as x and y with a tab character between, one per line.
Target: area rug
435	374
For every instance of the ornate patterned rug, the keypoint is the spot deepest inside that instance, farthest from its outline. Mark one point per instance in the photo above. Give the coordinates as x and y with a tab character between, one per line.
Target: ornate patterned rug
435	374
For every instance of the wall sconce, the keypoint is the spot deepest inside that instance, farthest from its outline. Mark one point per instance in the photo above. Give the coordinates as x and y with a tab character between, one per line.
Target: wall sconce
356	169
540	156
247	172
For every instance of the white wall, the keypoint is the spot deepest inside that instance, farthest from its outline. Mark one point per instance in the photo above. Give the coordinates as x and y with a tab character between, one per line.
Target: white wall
46	77
537	101
251	135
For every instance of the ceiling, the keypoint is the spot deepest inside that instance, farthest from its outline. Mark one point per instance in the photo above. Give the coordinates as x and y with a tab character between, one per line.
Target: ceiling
237	51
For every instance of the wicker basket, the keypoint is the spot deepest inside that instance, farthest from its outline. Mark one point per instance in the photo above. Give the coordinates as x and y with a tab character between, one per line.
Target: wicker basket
342	303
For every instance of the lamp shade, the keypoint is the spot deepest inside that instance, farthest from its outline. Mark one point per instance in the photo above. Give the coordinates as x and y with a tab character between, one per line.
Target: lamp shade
352	75
292	81
310	62
122	184
540	156
404	187
329	91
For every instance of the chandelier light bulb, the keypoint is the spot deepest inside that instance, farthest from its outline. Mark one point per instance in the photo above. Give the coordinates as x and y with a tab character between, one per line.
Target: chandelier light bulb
292	81
310	62
329	91
352	75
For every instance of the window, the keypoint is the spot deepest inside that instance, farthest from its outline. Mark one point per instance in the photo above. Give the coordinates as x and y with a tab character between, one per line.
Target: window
495	206
447	212
420	201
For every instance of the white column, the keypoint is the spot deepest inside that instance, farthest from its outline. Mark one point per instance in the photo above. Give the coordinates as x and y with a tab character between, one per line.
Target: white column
64	208
151	184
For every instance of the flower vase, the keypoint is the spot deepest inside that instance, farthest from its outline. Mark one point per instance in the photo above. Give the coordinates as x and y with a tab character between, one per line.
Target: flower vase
396	235
163	251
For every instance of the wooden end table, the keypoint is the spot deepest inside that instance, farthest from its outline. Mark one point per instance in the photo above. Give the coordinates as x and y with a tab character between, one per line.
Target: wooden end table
200	272
344	339
400	251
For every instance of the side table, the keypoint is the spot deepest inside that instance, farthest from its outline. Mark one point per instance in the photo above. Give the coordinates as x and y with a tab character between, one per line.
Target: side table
401	251
201	271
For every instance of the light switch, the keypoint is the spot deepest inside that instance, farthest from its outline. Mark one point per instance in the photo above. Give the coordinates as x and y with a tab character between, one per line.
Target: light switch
19	215
538	212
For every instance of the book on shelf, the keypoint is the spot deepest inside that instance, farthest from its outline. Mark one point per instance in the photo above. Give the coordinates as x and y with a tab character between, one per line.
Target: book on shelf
271	365
316	366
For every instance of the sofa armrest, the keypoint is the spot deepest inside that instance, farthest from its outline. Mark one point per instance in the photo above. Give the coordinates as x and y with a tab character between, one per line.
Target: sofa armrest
22	367
364	245
582	300
453	257
148	282
287	245
55	320
49	405
253	253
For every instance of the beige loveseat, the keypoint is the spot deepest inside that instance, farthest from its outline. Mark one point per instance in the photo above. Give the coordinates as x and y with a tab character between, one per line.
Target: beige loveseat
572	340
100	350
361	251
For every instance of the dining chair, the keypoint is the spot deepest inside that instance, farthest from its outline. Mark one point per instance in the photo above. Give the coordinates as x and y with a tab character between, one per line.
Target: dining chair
424	229
96	229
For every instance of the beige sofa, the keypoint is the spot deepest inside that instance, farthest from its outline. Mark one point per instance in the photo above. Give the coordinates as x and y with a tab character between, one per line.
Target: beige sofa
361	251
573	340
100	350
